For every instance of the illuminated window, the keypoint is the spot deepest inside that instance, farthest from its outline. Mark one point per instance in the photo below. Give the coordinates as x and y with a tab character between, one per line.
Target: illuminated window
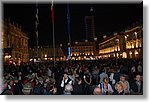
124	55
137	43
130	53
136	52
140	43
132	44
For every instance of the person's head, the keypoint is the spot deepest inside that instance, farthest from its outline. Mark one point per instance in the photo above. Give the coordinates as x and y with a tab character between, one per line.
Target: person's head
138	77
119	86
97	91
19	73
27	88
16	80
5	84
49	86
123	78
106	80
41	81
11	82
68	88
65	75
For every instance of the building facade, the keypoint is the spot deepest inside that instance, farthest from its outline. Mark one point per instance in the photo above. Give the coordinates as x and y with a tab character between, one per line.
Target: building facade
46	54
14	42
128	44
83	51
89	27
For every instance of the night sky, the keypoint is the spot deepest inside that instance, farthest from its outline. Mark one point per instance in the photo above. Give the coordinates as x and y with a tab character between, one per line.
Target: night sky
109	18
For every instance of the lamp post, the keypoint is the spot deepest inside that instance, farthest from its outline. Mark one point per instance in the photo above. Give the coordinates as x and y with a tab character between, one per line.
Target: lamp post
117	40
95	47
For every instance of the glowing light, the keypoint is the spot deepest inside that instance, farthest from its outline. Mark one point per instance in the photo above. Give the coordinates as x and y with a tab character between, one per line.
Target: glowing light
135	33
76	42
130	53
61	45
31	59
45	55
124	55
95	38
136	53
69	52
125	37
86	40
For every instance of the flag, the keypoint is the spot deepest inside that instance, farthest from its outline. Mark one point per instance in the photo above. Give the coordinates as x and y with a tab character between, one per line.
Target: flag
52	10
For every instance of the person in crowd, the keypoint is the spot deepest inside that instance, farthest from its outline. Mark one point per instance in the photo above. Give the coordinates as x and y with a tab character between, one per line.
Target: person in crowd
65	80
119	90
105	87
97	91
38	89
125	84
102	75
87	78
49	72
68	89
6	88
16	87
117	75
111	77
78	86
95	75
140	68
27	89
137	86
50	89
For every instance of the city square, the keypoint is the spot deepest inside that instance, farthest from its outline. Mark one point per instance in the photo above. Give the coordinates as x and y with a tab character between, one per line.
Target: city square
72	48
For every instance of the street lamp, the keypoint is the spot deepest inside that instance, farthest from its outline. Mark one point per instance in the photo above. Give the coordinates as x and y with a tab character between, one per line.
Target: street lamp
76	42
135	34
95	39
86	40
68	44
104	36
61	45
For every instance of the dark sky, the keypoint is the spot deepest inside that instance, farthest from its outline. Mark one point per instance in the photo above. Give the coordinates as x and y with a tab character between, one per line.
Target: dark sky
109	18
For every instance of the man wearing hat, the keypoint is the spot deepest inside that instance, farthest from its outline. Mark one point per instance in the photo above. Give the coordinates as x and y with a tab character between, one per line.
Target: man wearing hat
16	87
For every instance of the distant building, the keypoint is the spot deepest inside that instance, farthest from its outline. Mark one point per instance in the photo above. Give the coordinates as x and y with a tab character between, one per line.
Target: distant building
83	51
14	42
128	44
89	27
46	54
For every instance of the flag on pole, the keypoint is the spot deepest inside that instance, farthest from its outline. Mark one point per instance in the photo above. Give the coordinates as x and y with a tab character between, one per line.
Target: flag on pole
52	10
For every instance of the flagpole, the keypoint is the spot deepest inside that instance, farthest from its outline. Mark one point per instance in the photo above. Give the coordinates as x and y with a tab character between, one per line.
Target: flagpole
54	43
37	22
53	32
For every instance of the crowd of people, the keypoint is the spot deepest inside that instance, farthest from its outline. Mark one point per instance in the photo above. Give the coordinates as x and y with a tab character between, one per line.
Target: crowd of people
99	77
